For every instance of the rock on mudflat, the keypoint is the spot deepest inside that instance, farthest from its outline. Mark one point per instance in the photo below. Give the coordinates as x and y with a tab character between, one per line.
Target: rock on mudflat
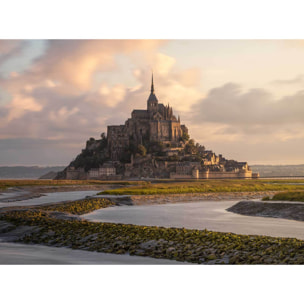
6	227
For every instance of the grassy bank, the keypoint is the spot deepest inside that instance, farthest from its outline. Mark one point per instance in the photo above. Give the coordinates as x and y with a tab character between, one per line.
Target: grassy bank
293	196
4	184
79	207
197	246
209	186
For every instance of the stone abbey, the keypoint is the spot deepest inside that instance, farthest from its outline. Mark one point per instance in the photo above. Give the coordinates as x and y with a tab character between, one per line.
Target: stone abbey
155	124
151	144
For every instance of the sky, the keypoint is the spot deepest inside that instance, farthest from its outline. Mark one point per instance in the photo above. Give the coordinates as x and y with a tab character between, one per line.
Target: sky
240	98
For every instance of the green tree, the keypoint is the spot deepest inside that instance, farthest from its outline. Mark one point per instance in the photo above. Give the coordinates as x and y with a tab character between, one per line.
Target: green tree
141	150
185	137
190	147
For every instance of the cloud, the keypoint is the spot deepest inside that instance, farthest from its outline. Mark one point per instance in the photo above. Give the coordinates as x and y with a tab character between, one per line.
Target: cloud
229	114
10	48
297	80
163	64
20	104
74	62
59	84
189	77
230	104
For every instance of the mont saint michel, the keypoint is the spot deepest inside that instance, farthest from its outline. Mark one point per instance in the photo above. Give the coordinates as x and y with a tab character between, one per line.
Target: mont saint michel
151	144
155	164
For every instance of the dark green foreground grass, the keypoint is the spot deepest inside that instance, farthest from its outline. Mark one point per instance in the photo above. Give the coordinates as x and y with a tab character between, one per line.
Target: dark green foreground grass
196	246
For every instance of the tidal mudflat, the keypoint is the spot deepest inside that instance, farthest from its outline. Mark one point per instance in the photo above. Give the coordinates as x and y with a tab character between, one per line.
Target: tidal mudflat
198	232
47	198
21	254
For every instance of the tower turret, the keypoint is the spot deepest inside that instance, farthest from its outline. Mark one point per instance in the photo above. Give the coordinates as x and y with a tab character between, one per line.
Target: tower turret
152	102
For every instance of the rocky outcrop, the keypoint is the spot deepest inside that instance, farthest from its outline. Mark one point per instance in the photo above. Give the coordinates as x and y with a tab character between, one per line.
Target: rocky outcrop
285	210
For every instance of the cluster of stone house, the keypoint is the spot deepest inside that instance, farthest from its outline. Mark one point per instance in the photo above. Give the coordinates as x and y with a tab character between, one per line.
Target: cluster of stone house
213	170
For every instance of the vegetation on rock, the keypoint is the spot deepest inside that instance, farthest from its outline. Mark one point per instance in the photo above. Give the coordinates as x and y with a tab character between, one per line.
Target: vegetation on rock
79	207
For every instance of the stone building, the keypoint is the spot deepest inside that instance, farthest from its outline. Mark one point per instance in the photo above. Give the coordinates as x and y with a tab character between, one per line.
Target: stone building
102	172
155	124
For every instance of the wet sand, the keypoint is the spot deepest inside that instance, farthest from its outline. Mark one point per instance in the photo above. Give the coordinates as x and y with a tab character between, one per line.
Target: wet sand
47	198
15	194
21	254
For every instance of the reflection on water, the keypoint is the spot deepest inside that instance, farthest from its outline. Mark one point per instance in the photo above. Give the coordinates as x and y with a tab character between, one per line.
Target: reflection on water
211	215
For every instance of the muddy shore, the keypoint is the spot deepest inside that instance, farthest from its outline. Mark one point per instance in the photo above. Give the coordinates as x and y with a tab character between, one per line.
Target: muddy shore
29	192
274	209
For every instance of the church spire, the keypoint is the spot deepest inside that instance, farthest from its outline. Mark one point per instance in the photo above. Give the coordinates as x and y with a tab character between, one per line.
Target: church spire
152	102
152	85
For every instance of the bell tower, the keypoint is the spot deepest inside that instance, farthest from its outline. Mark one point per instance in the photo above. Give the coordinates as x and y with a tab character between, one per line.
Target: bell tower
152	102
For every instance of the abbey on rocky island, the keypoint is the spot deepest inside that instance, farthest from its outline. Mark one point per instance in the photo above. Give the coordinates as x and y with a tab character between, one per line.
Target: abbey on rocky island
151	144
155	124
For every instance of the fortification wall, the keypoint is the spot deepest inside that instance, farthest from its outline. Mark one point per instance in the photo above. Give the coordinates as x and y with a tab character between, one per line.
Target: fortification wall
182	176
223	175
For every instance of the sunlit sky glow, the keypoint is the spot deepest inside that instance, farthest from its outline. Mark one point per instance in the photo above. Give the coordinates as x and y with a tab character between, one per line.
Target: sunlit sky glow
241	98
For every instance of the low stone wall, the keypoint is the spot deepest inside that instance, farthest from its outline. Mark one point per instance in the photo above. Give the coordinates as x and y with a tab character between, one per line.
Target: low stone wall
212	175
223	175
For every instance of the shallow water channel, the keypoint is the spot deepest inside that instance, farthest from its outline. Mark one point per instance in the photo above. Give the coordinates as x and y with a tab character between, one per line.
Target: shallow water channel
54	197
211	215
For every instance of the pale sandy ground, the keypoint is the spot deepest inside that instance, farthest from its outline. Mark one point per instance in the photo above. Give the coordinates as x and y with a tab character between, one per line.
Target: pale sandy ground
20	254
